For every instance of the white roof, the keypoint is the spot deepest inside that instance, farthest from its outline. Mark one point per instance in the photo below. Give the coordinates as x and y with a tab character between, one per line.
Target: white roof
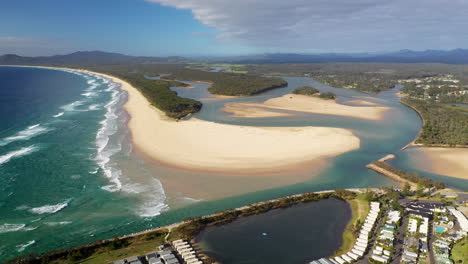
358	252
460	218
339	260
360	248
345	257
352	255
380	258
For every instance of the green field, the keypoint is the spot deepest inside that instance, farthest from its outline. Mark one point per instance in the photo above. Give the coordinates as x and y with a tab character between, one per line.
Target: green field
360	208
460	251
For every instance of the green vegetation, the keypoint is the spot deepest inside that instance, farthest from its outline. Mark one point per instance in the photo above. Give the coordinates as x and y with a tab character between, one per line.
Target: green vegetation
328	96
363	82
360	208
306	90
443	125
103	251
229	83
309	91
411	176
459	252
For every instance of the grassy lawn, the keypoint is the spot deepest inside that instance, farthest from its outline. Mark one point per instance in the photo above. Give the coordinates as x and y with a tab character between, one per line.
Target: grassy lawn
460	251
138	246
360	208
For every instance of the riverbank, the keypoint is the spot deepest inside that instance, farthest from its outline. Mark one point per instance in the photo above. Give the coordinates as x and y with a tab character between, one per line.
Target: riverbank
309	104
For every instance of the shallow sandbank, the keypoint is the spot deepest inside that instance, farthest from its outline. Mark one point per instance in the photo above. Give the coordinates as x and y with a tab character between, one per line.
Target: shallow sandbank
310	104
451	162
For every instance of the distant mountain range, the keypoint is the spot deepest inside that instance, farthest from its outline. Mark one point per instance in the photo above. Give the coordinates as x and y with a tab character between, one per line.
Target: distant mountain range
86	58
456	56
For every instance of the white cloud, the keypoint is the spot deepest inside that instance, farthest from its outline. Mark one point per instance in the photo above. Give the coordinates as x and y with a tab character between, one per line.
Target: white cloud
340	25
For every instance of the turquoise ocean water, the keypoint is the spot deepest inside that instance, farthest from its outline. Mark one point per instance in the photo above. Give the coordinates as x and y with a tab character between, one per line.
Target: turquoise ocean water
69	175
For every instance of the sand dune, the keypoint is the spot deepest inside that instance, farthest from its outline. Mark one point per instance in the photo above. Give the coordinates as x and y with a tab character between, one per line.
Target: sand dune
308	104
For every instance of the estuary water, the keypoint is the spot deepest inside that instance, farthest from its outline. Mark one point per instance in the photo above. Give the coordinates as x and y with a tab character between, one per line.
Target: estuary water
295	235
69	174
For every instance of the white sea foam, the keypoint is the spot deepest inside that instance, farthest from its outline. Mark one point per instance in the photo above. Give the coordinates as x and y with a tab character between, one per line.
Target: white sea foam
5	228
58	223
89	94
49	209
105	151
17	153
155	199
59	114
72	106
94	107
25	134
22	247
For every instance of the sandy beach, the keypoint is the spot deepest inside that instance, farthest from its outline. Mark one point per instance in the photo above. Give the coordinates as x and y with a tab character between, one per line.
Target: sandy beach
451	162
309	104
202	145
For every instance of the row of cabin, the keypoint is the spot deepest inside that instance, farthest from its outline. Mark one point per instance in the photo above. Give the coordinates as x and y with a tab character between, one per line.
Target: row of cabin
185	250
361	243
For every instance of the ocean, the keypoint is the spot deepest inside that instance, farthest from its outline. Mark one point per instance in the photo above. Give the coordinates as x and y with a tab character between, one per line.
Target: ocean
62	136
69	174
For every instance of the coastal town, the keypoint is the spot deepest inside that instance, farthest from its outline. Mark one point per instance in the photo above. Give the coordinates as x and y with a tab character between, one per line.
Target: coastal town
407	230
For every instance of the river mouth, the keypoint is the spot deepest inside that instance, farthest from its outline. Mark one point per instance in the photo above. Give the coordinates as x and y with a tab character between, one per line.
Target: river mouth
297	234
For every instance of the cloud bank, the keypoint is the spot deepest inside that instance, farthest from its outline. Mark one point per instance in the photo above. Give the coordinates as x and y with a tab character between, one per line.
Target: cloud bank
334	25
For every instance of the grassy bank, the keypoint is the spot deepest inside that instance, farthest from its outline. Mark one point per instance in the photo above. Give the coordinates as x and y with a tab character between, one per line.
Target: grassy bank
459	252
360	208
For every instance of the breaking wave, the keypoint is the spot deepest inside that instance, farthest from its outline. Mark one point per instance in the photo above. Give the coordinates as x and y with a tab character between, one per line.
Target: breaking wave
49	209
28	133
17	153
58	223
109	127
59	114
6	228
22	247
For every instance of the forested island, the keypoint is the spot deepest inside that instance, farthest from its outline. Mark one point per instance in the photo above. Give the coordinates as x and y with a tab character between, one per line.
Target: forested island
232	84
306	90
311	91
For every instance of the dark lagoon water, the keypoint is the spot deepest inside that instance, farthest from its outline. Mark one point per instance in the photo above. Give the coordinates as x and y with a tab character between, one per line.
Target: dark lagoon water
298	234
69	175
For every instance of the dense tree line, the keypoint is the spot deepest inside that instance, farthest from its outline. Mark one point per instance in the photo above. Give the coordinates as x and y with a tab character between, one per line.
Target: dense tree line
306	90
443	124
328	96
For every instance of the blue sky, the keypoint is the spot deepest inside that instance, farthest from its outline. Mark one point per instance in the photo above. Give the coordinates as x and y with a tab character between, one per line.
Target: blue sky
227	27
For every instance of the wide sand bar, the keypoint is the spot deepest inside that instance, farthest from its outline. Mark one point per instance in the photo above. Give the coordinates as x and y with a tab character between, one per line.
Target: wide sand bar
310	104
